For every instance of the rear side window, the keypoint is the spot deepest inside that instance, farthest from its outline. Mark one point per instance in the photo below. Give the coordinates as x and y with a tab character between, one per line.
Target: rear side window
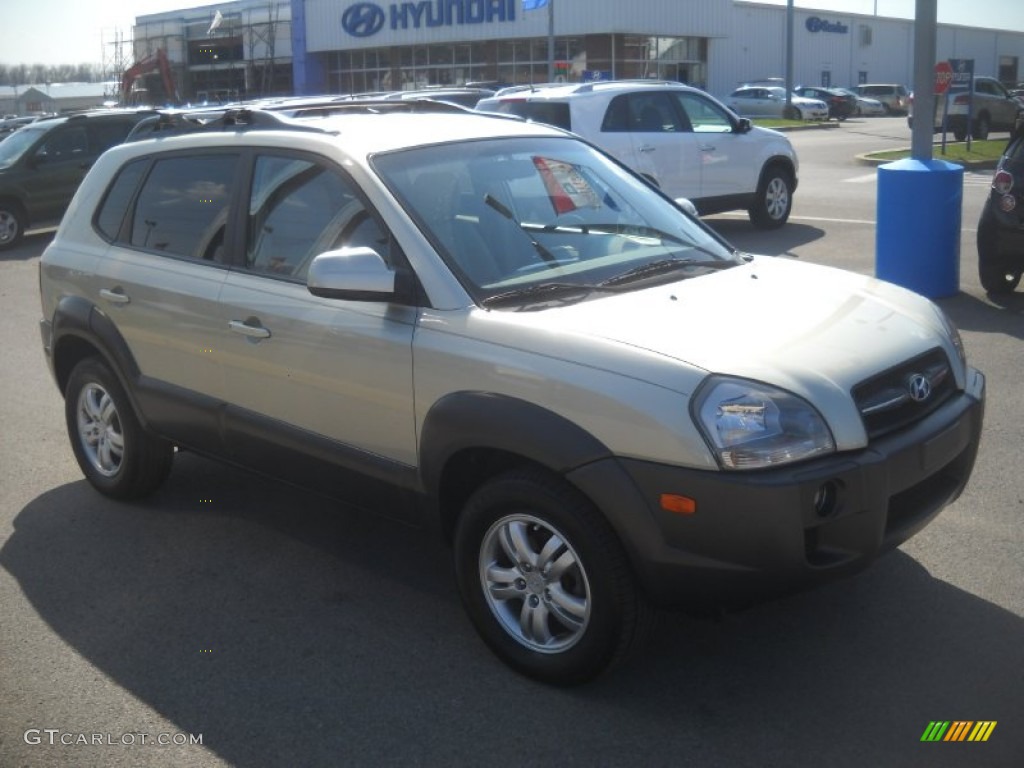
103	134
182	209
652	112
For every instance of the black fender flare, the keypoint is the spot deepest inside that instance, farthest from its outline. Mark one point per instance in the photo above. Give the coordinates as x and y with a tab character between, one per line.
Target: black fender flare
77	318
473	419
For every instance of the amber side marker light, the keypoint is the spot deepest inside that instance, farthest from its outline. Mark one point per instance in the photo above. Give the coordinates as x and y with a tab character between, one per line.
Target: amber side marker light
681	505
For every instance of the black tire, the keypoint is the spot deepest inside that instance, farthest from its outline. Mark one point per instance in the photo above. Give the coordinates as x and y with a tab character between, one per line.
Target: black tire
12	224
773	200
579	621
981	128
960	133
998	275
116	455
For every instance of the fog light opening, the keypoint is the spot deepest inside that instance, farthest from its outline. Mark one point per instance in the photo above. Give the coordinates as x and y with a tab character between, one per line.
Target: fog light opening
826	499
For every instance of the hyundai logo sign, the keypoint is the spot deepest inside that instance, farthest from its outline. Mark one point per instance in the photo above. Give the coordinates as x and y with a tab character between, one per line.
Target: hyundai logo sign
919	387
816	24
366	19
362	19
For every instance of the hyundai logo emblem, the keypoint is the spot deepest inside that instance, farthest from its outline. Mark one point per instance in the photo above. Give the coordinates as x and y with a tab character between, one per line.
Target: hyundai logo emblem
363	19
919	388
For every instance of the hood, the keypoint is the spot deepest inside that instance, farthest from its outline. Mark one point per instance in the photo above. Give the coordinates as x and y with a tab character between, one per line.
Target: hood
815	331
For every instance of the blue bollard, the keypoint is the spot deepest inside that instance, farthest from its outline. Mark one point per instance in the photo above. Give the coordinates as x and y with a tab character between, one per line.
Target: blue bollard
917	240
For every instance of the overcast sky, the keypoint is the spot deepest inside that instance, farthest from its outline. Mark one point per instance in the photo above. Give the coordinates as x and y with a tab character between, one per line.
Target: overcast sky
83	31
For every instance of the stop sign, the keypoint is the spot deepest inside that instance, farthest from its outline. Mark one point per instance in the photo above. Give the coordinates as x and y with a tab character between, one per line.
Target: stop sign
943	77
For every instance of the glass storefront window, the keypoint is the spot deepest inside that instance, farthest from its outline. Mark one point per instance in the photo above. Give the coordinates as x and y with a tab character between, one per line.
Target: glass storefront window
523	61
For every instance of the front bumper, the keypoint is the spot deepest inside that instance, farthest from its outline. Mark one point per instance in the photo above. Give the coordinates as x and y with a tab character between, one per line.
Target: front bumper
756	535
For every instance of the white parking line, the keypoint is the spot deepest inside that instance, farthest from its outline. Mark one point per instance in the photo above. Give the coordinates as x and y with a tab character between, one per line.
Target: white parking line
970	179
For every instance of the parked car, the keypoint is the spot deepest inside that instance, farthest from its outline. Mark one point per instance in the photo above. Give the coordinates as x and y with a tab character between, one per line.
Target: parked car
841	104
491	327
10	124
42	163
770	101
893	96
994	109
867	107
680	138
465	97
1001	226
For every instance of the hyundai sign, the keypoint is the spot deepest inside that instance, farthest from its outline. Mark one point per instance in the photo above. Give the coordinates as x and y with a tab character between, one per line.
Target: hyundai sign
367	19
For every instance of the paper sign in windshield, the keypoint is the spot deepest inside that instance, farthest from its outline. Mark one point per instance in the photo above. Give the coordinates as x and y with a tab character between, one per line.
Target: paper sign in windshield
566	187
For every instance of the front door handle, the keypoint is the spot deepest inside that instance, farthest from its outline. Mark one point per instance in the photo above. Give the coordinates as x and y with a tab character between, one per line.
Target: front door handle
115	295
250	328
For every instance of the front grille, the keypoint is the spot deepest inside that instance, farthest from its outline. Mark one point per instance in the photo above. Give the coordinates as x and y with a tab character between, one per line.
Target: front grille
887	401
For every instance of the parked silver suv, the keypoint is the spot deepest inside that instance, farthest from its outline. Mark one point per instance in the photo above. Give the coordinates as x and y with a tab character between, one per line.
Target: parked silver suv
491	327
686	142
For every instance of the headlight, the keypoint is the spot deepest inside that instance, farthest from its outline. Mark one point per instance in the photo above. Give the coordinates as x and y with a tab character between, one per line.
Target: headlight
954	335
750	425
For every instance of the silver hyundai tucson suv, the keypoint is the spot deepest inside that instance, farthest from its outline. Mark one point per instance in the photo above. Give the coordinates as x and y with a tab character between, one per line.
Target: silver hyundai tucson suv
490	327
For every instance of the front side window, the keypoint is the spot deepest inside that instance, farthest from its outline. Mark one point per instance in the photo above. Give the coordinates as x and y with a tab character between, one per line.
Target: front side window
65	143
182	209
705	116
298	209
522	217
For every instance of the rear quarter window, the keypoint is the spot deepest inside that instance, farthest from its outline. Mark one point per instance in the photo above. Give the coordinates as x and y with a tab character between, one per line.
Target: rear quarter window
114	208
550	113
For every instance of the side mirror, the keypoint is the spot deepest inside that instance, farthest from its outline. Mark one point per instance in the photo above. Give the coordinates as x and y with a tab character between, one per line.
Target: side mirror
354	274
687	205
743	125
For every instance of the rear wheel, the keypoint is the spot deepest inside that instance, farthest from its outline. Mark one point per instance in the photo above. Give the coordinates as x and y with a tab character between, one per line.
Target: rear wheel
545	580
981	128
116	455
774	198
12	224
998	274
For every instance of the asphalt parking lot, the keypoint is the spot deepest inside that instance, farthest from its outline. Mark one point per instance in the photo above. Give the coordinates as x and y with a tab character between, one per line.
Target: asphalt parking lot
281	630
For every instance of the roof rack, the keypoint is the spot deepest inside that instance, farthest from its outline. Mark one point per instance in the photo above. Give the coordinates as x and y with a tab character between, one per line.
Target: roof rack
373	106
226	119
588	87
281	117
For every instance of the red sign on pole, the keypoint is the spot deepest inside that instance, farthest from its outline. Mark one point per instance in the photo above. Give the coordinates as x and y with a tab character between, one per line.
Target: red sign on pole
943	77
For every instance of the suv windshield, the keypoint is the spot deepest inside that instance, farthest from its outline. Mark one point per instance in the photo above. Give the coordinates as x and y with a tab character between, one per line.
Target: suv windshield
510	215
15	145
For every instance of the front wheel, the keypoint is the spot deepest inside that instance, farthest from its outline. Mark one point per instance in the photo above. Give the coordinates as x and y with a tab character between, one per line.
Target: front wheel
12	225
773	200
116	455
545	580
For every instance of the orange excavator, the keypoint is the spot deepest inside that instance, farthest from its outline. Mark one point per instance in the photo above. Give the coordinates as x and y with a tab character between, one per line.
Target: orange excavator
132	93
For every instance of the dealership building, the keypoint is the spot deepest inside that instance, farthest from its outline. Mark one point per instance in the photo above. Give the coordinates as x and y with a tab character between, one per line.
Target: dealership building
251	48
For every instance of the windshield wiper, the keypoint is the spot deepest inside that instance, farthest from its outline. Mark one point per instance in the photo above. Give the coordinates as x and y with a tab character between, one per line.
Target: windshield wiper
504	210
565	292
662	266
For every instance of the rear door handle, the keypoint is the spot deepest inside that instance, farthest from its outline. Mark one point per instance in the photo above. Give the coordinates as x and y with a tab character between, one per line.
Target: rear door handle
647	148
115	295
250	328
